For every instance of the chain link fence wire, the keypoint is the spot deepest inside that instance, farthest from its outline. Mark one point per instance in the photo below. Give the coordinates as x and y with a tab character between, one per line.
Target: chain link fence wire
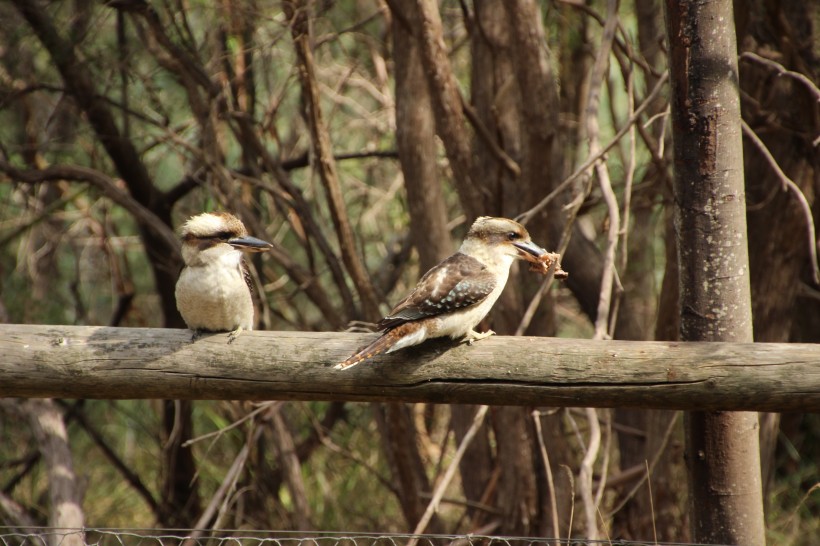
47	536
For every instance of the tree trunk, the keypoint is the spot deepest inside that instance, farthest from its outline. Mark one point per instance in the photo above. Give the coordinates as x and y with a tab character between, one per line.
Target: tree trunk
416	142
447	107
417	146
66	512
722	448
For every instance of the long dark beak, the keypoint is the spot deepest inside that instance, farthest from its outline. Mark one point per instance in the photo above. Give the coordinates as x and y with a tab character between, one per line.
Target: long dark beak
530	248
250	244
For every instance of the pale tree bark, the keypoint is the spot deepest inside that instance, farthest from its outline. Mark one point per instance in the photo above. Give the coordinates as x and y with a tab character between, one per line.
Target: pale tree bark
65	510
722	448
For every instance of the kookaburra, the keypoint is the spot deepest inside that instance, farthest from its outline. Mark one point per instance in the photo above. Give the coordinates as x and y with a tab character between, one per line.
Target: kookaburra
453	297
214	288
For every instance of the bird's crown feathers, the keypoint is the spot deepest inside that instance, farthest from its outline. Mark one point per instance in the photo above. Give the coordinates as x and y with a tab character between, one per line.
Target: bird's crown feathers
211	224
489	228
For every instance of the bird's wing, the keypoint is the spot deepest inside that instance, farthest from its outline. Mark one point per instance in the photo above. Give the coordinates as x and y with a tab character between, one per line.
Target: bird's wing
458	282
246	274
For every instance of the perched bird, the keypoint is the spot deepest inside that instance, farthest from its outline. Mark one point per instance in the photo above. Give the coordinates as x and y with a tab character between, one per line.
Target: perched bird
453	297
214	288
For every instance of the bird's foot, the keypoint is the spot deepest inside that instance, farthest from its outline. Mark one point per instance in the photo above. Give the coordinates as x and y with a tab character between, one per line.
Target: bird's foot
234	334
196	335
473	336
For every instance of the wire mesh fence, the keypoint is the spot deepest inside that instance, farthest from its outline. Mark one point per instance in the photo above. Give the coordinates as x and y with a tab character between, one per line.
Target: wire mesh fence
45	536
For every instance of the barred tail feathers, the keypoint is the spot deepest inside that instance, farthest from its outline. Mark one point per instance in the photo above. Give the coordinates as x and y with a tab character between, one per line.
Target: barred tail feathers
389	341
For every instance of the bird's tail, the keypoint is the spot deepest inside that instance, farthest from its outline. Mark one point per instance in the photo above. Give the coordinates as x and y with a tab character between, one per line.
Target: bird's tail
380	346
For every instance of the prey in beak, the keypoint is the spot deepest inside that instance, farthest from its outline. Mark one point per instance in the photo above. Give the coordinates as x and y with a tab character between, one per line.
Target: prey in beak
529	250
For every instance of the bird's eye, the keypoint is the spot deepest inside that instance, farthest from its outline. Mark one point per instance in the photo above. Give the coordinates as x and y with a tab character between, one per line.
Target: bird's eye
224	235
512	236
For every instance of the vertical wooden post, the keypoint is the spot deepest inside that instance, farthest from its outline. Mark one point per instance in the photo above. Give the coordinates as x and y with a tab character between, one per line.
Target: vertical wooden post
722	447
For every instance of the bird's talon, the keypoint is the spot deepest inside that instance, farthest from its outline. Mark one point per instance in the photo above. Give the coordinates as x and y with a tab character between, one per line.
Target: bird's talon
473	336
233	335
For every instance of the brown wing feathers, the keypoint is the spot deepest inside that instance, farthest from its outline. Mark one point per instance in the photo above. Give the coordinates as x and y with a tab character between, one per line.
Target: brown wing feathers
457	282
246	274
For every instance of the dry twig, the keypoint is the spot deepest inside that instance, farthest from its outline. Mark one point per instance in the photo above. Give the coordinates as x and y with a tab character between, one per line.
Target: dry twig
478	420
527	215
536	417
783	71
789	184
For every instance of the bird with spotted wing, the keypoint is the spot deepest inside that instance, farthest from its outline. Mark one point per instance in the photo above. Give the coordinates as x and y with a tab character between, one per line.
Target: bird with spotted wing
455	295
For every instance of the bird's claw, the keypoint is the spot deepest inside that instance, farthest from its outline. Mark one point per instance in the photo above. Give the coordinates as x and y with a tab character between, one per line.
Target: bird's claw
234	334
473	336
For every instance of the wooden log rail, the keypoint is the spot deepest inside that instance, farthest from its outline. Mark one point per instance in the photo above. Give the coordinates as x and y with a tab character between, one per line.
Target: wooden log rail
120	363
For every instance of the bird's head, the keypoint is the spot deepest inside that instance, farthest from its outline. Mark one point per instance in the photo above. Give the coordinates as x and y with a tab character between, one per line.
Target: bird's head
215	234
499	240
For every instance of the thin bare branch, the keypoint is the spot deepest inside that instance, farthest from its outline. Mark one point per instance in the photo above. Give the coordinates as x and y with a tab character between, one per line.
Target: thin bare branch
789	184
227	485
592	128
297	13
536	417
630	172
265	406
107	185
783	71
526	216
655	458
130	476
585	474
478	420
481	130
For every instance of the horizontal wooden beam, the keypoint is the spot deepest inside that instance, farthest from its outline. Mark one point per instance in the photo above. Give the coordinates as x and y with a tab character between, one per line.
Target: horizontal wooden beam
118	363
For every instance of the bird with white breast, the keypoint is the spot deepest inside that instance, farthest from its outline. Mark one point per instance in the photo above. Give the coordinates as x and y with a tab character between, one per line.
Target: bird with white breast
214	289
455	295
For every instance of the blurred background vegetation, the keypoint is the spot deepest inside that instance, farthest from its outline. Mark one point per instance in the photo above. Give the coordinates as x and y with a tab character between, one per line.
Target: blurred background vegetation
120	119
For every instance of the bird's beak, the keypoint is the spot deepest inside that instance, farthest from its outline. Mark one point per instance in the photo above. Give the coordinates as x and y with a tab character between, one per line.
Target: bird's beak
530	248
250	244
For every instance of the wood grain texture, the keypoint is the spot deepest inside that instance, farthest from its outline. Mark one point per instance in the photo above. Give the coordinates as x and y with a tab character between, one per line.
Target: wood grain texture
122	363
